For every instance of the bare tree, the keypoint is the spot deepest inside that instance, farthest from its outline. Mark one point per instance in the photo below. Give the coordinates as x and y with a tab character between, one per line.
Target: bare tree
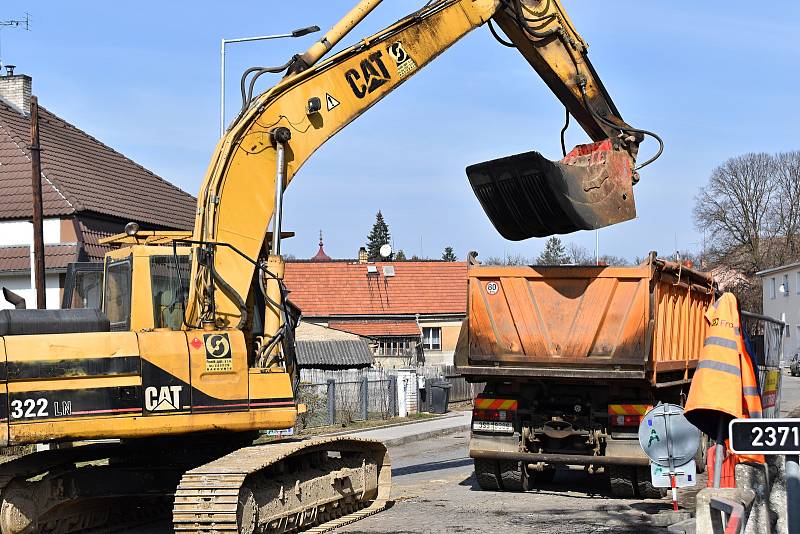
735	208
787	204
508	259
579	255
610	259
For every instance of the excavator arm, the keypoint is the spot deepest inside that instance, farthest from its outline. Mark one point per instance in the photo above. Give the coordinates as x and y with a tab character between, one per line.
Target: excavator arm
277	131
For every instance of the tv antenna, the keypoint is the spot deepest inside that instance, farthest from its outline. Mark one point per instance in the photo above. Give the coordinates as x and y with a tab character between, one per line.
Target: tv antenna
24	24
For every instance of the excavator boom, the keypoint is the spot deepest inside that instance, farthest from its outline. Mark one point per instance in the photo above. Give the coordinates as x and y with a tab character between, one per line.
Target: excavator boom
276	132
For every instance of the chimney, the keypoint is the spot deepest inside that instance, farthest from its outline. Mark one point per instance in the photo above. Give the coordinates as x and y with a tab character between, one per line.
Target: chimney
362	255
15	90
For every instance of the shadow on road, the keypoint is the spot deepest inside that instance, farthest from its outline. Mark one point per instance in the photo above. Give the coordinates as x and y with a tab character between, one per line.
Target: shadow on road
431	466
577	484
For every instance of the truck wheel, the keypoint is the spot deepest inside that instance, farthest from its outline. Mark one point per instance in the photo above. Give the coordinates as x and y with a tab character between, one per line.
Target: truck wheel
513	477
645	486
487	473
623	481
702	454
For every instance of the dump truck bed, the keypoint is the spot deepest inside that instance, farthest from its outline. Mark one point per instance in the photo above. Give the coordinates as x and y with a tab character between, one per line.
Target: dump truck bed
606	323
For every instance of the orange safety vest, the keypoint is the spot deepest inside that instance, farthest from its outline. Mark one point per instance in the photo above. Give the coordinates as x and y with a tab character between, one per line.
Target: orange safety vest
724	384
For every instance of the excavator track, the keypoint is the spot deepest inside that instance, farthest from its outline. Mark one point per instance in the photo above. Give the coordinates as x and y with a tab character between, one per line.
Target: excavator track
312	485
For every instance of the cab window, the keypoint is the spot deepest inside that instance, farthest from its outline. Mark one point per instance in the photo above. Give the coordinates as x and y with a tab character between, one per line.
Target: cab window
170	290
83	286
117	294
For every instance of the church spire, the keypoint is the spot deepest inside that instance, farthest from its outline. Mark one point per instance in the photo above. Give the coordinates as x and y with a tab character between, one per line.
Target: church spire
321	256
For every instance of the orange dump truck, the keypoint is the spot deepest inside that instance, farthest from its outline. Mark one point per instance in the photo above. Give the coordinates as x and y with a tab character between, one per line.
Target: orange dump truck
572	357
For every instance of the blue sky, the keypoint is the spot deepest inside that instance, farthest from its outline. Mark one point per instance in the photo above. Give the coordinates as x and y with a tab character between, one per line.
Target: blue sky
715	80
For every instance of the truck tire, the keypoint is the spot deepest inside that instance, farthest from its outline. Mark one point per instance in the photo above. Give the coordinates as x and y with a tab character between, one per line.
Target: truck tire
487	473
702	454
645	486
513	476
623	481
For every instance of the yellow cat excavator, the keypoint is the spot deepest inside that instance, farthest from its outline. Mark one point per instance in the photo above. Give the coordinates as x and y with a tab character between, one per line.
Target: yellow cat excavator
191	354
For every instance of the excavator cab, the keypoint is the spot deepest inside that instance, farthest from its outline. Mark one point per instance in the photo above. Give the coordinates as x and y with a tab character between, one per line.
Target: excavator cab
527	195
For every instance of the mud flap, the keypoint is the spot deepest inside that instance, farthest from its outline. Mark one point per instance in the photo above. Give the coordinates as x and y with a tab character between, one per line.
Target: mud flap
527	195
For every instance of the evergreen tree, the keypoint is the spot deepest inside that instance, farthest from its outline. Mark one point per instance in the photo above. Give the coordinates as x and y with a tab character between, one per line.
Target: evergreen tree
553	253
448	254
378	237
400	256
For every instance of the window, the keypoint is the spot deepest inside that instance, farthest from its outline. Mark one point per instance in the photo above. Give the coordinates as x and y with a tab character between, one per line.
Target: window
83	286
86	290
396	346
432	338
786	285
797	283
117	294
170	290
772	288
797	339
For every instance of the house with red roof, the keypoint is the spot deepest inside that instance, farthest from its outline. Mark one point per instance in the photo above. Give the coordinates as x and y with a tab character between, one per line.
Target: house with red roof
89	191
411	310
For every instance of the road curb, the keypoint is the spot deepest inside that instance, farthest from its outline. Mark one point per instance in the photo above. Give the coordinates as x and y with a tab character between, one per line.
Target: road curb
448	415
425	435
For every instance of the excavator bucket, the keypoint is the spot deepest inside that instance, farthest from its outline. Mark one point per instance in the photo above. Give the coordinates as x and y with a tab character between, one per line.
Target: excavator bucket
527	195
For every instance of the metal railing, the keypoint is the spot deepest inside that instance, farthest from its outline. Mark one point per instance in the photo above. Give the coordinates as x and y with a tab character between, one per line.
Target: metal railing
344	402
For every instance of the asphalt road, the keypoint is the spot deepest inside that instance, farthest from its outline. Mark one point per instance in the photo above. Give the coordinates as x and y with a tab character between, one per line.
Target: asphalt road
434	490
790	393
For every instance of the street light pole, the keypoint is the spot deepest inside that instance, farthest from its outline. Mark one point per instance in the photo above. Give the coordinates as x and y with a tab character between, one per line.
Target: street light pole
296	33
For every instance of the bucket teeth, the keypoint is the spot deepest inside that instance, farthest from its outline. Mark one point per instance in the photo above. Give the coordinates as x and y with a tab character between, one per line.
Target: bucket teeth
527	195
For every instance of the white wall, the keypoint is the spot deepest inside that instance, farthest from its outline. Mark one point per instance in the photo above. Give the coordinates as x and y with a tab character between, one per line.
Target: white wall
21	285
784	305
21	232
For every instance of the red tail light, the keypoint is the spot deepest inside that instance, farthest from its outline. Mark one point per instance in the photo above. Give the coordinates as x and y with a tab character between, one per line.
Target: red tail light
492	415
626	420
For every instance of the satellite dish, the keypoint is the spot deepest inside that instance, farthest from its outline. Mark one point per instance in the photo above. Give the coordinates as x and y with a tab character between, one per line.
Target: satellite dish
386	250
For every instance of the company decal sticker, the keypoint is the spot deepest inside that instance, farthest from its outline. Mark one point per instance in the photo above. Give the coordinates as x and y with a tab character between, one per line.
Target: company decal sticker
218	353
405	65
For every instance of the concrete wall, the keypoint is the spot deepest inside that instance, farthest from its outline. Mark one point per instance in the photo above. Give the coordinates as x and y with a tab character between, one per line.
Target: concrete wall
784	305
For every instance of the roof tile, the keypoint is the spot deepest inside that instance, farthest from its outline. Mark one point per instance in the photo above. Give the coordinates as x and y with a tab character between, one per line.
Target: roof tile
326	289
79	173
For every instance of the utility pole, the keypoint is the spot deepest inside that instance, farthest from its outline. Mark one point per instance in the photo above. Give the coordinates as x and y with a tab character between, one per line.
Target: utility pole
38	223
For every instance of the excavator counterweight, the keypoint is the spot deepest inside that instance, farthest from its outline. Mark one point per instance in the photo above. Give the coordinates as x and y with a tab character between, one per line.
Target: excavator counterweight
527	195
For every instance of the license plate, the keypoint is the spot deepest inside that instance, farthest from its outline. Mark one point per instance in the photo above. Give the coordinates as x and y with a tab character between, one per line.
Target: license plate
765	436
493	426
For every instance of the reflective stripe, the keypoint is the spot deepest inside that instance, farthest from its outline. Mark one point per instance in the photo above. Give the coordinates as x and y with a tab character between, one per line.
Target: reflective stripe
719	366
755	415
751	390
736	330
721	342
